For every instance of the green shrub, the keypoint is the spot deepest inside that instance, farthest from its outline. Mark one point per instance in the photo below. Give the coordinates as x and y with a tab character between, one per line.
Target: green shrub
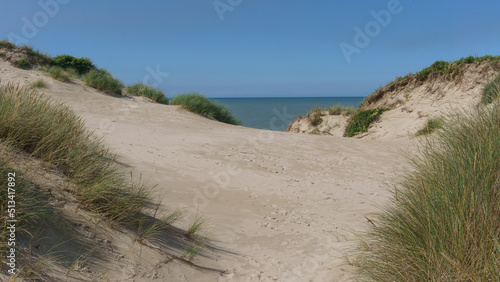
431	126
491	91
22	63
57	136
103	81
438	66
59	74
469	60
154	94
2	55
81	65
39	84
444	221
201	105
362	120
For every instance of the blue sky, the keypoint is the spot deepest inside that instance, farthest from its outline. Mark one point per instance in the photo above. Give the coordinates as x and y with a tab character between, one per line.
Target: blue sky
257	48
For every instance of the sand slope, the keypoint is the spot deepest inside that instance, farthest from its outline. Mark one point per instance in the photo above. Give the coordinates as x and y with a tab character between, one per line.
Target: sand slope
412	102
280	206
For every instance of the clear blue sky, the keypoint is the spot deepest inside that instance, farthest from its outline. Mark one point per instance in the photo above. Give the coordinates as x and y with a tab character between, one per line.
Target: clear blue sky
255	48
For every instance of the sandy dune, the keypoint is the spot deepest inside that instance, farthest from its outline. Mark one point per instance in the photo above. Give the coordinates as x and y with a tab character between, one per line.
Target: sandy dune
280	206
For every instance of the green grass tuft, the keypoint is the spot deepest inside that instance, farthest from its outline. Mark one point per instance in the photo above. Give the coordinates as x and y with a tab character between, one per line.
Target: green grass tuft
57	136
59	74
362	120
103	81
444	221
201	105
341	110
491	91
39	84
154	94
431	126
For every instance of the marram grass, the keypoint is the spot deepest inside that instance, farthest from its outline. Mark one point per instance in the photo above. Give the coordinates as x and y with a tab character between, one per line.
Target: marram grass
150	92
444	221
53	133
201	105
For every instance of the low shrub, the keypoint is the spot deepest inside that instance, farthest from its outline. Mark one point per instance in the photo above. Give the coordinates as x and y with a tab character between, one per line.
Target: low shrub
103	81
154	94
201	105
81	65
22	63
444	221
431	126
362	120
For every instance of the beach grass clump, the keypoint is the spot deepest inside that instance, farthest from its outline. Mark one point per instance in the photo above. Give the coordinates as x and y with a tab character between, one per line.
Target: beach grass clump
341	110
362	120
80	65
103	81
491	91
57	136
144	90
444	221
201	105
59	74
316	120
432	125
39	84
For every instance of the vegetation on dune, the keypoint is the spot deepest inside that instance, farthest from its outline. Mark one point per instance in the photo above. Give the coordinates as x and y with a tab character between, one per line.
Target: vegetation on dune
81	65
154	94
39	84
452	68
30	57
362	120
439	69
103	81
341	110
491	91
201	105
57	136
444	221
431	126
59	74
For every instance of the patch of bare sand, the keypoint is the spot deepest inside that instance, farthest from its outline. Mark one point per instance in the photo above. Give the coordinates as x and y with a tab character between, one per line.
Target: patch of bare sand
280	206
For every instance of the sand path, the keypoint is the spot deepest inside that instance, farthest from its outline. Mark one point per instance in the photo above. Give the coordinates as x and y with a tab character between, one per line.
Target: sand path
280	206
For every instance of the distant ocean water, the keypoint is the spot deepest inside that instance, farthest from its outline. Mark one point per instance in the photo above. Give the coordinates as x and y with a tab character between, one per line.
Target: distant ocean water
278	113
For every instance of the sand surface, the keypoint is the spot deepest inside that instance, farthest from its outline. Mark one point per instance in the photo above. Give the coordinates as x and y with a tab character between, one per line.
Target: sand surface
280	206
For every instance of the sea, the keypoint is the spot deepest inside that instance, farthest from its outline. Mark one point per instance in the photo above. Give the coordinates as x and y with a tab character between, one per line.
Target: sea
277	113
